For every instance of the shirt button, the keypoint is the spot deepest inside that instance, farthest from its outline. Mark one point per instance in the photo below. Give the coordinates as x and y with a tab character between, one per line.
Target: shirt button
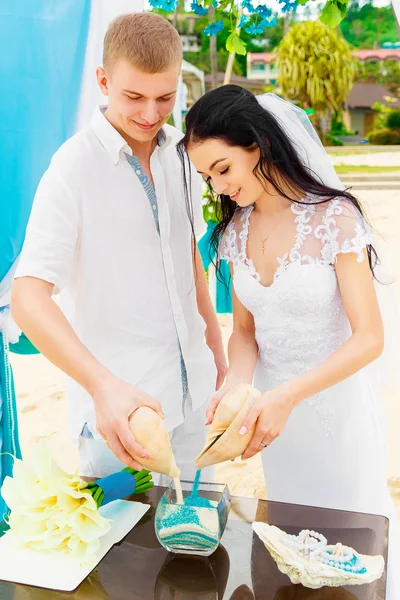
154	207
138	171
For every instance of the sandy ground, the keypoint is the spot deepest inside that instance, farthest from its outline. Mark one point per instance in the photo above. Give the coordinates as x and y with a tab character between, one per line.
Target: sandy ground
41	395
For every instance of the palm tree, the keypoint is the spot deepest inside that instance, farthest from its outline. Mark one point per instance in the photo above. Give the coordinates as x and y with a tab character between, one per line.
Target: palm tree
316	68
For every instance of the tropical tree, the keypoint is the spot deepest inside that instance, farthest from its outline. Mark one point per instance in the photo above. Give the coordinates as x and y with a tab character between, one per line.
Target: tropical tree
317	70
369	25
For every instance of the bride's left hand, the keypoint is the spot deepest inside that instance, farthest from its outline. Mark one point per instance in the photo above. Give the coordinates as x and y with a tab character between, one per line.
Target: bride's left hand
270	414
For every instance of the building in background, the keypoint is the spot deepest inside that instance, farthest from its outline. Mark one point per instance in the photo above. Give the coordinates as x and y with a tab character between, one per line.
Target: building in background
261	67
255	86
358	114
194	80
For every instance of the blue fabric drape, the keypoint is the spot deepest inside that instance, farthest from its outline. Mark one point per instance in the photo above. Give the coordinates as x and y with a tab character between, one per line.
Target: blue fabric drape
42	48
224	297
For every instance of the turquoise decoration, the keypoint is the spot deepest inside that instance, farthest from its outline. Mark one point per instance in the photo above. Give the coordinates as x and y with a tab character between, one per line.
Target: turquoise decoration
288	5
223	299
243	21
252	12
166	5
271	23
264	11
254	29
214	28
197	9
23	346
9	438
354	565
116	486
248	5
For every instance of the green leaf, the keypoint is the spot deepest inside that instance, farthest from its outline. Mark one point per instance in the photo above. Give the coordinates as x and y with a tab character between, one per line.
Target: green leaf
234	43
331	14
342	6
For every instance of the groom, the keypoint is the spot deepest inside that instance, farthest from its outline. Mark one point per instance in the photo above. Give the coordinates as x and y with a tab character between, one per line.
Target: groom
110	230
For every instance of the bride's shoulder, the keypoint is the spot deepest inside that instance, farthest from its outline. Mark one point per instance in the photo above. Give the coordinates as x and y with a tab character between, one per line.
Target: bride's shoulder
331	210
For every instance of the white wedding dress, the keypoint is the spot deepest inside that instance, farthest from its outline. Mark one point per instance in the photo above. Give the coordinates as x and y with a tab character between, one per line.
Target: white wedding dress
332	452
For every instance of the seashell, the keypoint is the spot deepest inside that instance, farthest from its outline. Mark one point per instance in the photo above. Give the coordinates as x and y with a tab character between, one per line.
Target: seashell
314	574
150	432
224	442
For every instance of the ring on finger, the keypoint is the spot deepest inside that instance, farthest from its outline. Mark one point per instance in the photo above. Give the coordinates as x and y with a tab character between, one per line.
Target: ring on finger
263	445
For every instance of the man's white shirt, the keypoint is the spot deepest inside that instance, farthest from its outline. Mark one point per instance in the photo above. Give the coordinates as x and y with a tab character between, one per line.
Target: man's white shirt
128	290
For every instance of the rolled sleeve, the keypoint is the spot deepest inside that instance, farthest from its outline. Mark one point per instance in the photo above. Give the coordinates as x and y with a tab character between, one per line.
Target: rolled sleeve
52	233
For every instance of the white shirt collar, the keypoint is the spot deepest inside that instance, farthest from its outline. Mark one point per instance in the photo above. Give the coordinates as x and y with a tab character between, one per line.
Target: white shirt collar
113	141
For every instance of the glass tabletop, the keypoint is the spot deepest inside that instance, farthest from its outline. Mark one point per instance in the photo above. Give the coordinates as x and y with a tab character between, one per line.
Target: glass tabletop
138	568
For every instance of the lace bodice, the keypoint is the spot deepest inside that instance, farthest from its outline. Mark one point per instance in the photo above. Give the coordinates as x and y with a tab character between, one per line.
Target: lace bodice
299	319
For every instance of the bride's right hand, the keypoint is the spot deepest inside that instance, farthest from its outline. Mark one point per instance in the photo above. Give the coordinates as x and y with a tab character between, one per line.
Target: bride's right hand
230	383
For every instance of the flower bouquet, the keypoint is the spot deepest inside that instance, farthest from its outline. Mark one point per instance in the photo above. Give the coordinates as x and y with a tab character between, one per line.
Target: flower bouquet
54	511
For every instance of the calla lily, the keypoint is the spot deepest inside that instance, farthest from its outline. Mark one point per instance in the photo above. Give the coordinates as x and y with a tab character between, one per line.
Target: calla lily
88	524
54	511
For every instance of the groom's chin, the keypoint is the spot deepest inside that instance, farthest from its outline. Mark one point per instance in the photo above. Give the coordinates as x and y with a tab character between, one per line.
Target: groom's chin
142	135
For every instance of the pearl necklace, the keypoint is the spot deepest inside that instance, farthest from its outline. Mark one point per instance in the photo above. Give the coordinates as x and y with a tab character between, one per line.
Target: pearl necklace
314	547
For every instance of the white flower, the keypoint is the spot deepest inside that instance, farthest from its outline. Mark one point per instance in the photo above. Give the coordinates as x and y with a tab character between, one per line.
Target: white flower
51	510
88	524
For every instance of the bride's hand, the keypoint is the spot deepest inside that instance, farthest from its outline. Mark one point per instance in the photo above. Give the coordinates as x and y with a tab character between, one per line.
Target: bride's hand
230	383
270	414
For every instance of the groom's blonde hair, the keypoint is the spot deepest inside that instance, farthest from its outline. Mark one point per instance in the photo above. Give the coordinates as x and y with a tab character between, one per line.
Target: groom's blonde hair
146	40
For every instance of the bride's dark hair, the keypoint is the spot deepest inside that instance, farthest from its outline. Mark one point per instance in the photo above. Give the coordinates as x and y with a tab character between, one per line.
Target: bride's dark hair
232	114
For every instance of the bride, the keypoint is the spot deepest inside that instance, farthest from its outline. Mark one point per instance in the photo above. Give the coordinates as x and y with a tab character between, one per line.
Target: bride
307	324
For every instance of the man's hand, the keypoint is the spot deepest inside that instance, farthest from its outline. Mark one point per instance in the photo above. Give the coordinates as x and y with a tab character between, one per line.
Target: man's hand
114	402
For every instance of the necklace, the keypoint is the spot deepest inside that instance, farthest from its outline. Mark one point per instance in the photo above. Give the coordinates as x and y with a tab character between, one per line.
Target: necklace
264	241
313	546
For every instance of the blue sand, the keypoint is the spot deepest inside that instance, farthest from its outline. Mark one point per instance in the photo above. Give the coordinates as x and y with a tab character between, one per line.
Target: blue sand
188	514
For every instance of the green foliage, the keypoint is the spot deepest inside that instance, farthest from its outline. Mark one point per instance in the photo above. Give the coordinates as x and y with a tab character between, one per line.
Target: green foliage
369	26
333	13
384	113
316	66
333	140
385	137
363	25
253	44
339	128
393	119
210	212
386	73
234	43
